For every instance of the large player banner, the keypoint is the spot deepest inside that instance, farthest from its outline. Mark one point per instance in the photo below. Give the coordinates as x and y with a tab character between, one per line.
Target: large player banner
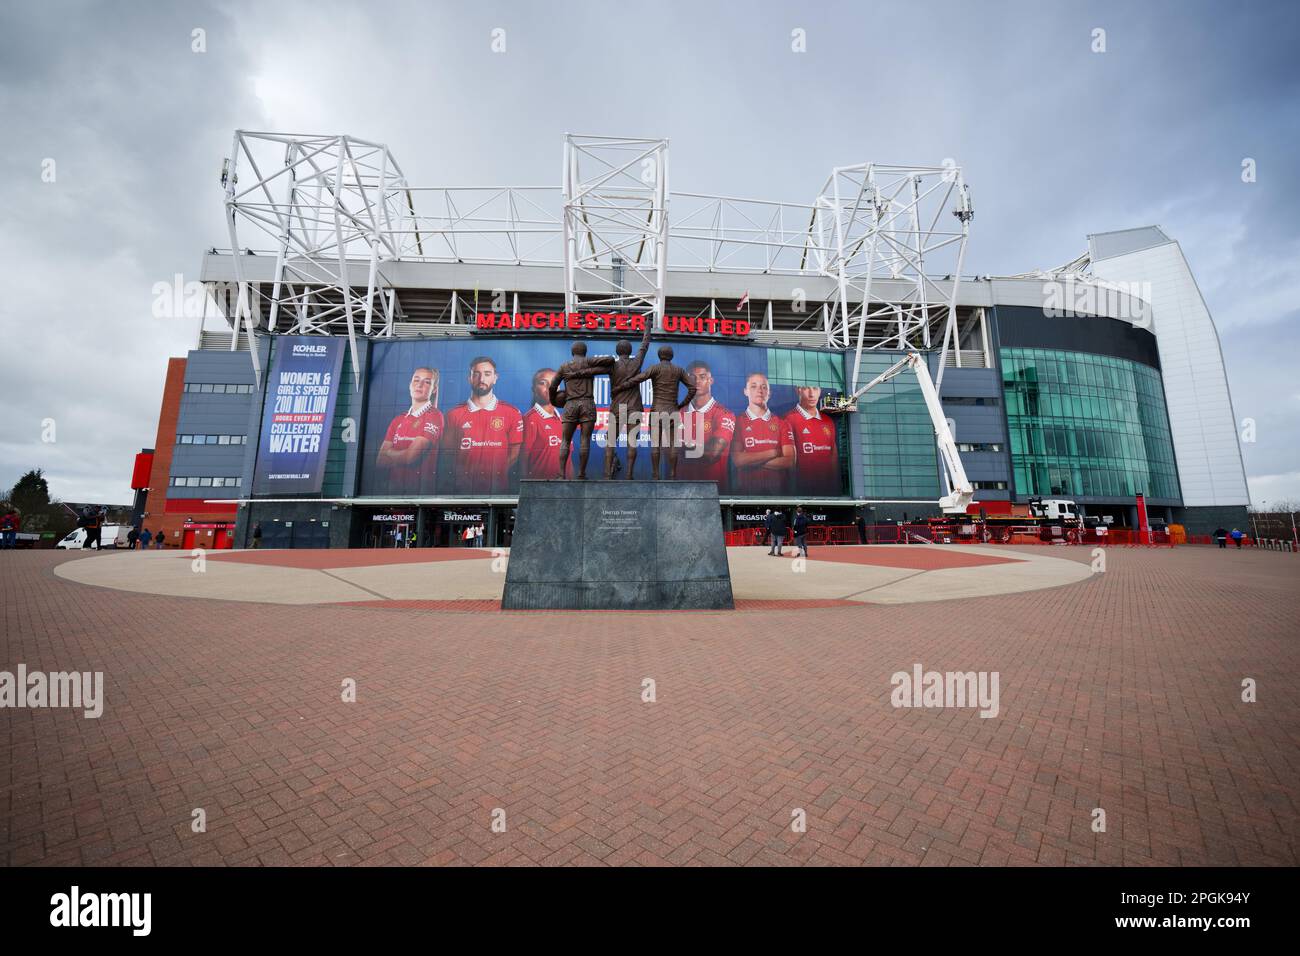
472	417
296	418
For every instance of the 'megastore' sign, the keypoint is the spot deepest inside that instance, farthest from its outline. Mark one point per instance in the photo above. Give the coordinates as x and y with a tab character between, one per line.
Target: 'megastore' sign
607	322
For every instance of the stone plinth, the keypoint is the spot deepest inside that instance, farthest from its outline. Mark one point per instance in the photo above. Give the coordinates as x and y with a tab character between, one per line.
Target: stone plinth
626	545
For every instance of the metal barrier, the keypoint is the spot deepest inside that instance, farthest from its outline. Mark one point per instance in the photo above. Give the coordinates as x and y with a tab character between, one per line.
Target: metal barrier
822	535
837	534
1285	545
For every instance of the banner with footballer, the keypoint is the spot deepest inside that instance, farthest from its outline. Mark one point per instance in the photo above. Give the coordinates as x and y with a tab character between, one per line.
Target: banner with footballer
472	417
301	391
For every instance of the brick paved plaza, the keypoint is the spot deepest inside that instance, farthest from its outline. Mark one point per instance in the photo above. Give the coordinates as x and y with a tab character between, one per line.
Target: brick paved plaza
1121	691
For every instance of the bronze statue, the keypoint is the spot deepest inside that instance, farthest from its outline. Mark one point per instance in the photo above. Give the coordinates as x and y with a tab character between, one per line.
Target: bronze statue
578	403
666	422
625	402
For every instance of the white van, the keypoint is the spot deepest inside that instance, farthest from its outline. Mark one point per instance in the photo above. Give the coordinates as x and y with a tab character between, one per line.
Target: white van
110	536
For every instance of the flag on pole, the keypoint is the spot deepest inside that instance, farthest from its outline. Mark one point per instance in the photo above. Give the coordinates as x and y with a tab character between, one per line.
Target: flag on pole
743	299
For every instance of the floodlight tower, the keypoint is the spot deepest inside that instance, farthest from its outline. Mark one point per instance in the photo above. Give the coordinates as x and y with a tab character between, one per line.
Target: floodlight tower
615	222
883	222
334	201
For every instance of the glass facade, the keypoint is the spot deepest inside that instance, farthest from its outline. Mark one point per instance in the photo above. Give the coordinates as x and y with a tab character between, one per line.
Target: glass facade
806	367
1087	426
898	445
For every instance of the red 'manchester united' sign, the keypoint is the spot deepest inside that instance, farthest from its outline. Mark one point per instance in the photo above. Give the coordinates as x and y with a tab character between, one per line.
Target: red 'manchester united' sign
607	322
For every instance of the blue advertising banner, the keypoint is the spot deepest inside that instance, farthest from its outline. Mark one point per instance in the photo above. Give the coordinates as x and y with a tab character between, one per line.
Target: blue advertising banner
296	418
471	418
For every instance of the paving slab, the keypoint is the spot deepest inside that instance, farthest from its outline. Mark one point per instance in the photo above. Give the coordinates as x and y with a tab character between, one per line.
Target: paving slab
1123	692
875	574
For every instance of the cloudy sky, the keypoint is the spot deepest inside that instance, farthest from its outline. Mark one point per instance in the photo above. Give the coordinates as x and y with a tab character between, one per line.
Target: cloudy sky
1057	141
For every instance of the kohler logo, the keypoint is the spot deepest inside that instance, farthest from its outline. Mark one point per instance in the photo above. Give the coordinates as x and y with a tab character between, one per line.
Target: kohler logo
301	349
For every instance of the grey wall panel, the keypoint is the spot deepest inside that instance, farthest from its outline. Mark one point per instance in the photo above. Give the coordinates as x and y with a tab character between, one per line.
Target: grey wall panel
210	366
968	382
1022	327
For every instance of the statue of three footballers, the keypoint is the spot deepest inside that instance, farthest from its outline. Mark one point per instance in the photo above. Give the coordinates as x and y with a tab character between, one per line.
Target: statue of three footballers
625	378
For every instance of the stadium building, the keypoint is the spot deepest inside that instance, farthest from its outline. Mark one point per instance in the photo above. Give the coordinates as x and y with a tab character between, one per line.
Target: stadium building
370	350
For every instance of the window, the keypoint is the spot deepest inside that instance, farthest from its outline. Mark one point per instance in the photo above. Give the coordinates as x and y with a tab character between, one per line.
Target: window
212	439
979	446
993	402
218	388
206	482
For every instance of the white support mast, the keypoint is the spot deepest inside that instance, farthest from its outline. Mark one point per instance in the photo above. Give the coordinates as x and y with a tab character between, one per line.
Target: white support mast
615	219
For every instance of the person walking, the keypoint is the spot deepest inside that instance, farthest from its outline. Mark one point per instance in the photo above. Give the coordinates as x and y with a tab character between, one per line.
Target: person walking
160	539
779	528
132	537
145	537
1237	536
478	535
9	529
861	523
800	528
257	535
767	529
398	538
1221	537
92	530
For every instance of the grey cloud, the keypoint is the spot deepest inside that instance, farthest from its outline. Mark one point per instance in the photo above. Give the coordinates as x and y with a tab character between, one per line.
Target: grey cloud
1057	142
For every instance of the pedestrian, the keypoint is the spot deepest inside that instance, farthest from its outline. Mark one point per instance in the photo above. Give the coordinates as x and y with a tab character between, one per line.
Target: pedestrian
779	528
397	538
1237	536
92	530
145	537
1221	537
861	524
478	535
800	528
767	529
160	539
257	535
132	537
9	529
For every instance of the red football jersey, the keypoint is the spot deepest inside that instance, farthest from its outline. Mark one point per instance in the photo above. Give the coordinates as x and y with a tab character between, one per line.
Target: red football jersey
542	434
402	431
761	433
703	425
478	442
817	461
